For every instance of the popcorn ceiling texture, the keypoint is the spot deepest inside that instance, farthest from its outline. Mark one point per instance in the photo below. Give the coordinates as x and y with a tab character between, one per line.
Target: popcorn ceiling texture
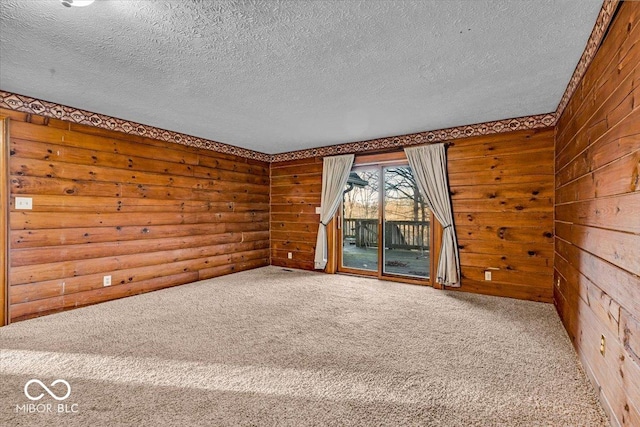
275	77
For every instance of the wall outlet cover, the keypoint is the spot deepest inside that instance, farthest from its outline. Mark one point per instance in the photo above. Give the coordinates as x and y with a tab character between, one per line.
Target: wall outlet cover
24	203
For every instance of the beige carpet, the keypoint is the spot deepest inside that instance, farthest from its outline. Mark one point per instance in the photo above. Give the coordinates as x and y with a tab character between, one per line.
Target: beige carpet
274	347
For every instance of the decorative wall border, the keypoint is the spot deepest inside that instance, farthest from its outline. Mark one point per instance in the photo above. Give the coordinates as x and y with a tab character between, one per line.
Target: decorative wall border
595	39
488	128
27	104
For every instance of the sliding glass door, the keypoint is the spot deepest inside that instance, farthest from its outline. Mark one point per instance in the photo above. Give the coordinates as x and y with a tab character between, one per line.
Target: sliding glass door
406	225
360	220
384	223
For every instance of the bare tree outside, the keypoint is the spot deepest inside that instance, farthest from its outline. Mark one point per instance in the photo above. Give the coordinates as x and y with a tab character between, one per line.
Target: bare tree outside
402	197
406	227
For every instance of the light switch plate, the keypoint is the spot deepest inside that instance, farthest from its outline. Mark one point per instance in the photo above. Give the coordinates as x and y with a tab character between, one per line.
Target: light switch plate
24	203
318	210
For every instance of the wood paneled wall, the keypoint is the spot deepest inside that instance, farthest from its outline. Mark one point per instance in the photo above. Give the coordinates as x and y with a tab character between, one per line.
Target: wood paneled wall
502	192
295	194
149	213
597	248
502	202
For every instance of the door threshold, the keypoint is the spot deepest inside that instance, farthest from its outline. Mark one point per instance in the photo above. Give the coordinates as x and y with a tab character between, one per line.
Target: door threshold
397	279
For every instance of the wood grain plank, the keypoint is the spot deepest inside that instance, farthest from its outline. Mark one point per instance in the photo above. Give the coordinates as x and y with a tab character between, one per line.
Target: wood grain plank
500	204
618	248
618	177
617	141
621	285
53	254
616	213
509	191
110	144
509	234
540	293
85	267
25	149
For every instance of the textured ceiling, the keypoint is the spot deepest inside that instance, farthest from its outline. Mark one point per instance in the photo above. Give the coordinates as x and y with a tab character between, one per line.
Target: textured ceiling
276	76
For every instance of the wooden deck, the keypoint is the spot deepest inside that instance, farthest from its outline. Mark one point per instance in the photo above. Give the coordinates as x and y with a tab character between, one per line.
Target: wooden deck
406	262
406	246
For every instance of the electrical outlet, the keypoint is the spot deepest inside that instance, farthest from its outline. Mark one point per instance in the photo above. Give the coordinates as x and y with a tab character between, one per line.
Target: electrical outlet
487	276
106	281
318	210
24	203
602	346
290	255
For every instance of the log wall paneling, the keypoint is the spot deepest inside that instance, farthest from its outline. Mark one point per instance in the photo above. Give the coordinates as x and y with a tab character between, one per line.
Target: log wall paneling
597	243
150	214
502	202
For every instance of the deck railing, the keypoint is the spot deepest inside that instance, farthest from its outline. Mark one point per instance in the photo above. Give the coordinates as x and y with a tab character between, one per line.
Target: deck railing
398	234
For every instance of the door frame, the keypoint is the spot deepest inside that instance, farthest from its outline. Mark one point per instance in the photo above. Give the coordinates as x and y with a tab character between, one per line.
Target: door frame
4	220
380	161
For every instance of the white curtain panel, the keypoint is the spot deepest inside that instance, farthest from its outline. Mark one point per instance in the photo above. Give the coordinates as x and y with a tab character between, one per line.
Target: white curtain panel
335	173
429	165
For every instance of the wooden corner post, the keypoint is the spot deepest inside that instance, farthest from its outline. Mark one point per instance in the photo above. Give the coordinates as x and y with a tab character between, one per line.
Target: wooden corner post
4	220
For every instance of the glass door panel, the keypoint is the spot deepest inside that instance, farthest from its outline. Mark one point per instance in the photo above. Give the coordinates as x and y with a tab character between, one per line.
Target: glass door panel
406	225
360	219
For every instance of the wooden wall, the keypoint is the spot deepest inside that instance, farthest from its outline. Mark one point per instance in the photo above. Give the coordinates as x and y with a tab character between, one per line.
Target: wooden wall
295	193
597	248
149	213
502	202
502	192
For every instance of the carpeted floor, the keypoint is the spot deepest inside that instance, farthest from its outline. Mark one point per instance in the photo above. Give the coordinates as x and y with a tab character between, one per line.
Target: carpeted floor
275	347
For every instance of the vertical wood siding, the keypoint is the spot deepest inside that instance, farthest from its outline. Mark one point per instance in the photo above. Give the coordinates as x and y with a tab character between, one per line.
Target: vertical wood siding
502	202
597	248
149	213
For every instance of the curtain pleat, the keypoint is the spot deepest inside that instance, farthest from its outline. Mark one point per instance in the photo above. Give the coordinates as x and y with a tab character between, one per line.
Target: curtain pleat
335	173
429	166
